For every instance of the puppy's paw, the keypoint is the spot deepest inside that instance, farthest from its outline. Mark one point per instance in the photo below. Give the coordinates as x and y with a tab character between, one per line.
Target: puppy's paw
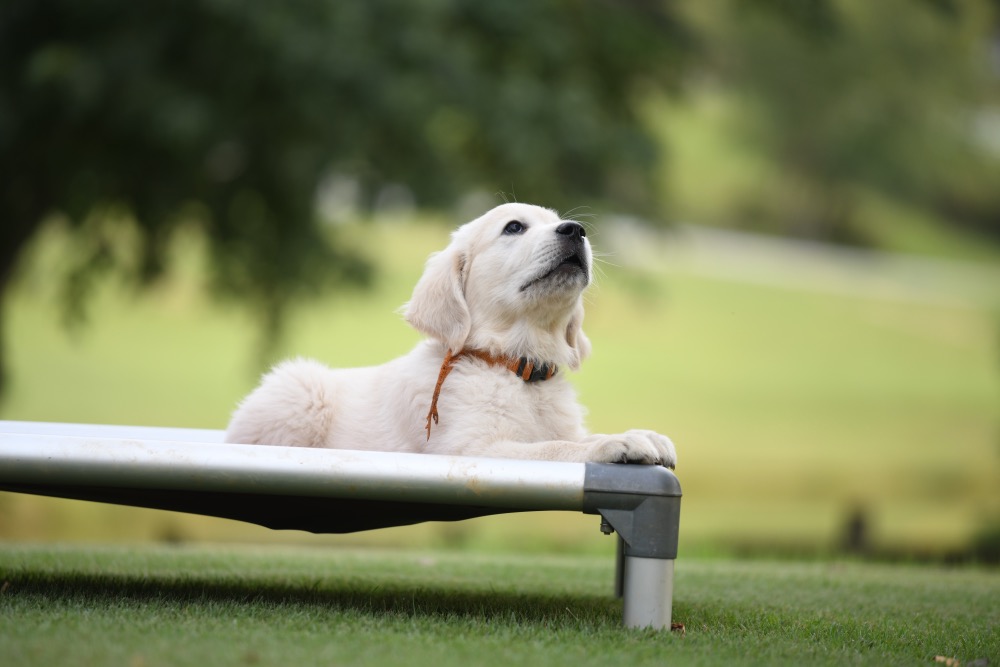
635	446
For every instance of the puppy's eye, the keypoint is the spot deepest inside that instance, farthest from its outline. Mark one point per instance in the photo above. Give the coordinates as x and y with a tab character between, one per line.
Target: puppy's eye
514	227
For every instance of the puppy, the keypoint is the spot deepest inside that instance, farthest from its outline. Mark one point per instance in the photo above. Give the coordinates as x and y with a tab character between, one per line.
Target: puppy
502	308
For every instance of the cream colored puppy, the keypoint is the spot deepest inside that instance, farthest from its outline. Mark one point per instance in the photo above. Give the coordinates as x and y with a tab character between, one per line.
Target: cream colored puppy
502	307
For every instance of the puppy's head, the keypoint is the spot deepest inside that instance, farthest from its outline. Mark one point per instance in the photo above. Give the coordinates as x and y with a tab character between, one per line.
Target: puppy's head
510	282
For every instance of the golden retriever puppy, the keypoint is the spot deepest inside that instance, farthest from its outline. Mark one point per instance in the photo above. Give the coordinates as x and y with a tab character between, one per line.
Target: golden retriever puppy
502	309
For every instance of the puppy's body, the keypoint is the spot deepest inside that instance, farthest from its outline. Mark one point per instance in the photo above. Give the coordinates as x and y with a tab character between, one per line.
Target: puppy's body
509	286
485	410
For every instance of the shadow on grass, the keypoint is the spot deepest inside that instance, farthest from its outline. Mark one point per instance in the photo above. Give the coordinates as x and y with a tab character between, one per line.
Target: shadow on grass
380	600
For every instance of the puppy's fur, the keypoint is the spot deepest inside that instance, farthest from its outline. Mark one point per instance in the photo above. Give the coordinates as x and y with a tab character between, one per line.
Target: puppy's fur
510	284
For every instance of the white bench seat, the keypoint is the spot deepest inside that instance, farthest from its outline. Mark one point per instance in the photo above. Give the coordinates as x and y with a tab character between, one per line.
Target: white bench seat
343	491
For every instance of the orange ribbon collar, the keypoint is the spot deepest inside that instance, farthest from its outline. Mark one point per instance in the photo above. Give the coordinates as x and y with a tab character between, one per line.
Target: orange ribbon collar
522	367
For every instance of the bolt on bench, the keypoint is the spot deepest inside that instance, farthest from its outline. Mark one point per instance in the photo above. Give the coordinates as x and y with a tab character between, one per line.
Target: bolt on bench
345	491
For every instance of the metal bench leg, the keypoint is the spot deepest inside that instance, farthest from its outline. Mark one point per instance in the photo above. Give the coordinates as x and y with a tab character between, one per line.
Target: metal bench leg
649	592
619	567
642	504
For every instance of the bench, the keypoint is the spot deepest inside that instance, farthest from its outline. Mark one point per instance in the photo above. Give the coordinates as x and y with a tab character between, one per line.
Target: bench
344	491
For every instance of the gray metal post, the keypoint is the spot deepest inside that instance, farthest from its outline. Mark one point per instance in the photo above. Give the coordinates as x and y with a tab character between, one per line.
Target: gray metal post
642	504
619	567
49	455
649	591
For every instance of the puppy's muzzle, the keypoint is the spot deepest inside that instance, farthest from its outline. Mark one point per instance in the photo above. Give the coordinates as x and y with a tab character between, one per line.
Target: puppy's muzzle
570	259
572	235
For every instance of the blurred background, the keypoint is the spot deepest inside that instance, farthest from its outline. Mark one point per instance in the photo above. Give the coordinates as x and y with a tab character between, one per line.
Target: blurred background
796	206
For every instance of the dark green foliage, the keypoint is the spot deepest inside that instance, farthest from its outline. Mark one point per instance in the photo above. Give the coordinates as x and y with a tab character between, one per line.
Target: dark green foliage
229	115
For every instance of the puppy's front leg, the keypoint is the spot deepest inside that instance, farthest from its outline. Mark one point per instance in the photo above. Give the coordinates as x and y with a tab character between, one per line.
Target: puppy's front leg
636	446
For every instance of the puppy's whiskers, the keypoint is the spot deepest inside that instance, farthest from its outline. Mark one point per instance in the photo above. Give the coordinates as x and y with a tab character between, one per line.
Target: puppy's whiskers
602	257
501	194
581	218
597	267
572	214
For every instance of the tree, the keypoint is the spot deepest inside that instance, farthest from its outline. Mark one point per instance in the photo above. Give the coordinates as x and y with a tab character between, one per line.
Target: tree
848	95
227	115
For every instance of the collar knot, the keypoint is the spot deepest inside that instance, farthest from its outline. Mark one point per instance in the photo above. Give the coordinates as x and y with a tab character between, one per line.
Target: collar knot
523	367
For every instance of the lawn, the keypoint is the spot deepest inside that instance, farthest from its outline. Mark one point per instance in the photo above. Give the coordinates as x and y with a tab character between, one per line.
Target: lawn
153	606
794	403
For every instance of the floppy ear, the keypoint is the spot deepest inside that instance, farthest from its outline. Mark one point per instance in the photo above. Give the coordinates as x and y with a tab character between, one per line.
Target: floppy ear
437	307
577	340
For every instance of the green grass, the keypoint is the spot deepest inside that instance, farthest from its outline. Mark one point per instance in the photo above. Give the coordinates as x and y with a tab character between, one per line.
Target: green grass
790	408
197	606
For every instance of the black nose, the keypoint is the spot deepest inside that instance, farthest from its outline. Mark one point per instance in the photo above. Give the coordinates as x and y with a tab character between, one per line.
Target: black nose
571	229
